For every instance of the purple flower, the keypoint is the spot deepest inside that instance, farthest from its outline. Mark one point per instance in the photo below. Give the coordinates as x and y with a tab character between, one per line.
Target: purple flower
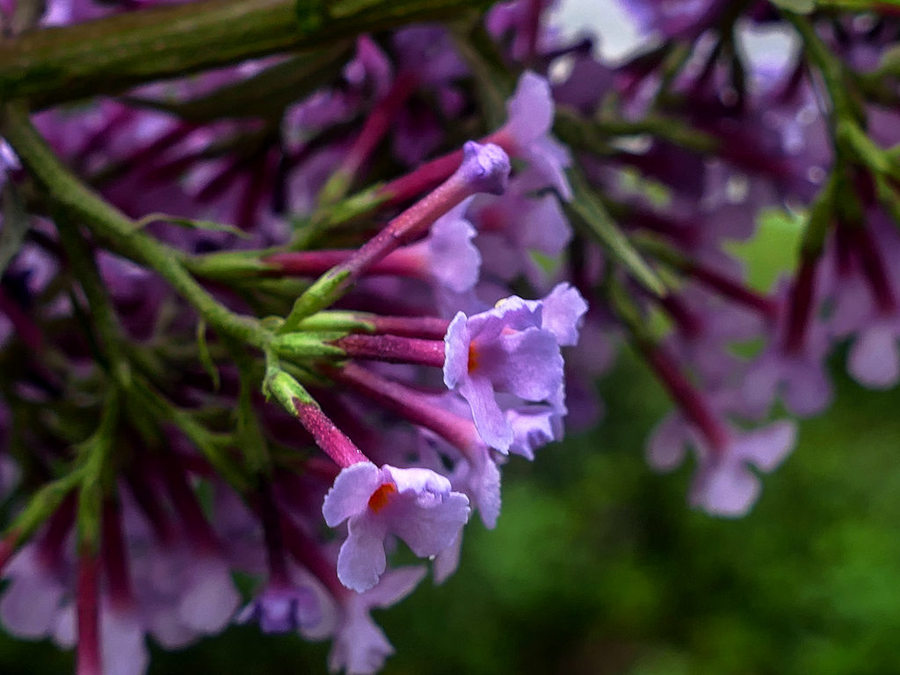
428	51
514	226
33	597
360	647
723	484
865	304
282	608
800	378
675	18
447	255
706	328
534	426
874	360
416	505
475	472
372	64
513	348
123	647
526	133
511	22
562	313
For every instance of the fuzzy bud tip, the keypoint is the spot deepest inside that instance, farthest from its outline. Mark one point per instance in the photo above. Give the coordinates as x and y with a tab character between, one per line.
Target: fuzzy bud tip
485	167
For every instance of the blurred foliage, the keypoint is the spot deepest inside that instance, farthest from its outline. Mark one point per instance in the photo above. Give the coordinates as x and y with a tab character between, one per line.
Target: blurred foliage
598	566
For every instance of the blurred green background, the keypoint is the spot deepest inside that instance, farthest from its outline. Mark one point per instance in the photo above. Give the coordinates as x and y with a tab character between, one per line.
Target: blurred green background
598	566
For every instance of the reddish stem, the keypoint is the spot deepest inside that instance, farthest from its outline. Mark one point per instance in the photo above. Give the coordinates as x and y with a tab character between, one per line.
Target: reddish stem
402	262
378	123
688	322
429	175
273	535
88	615
394	349
409	404
686	397
8	546
332	440
427	327
532	29
306	551
198	529
410	224
425	177
733	290
149	502
872	264
800	306
115	557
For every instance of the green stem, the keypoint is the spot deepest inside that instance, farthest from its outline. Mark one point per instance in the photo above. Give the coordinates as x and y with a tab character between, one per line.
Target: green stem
836	79
42	505
94	454
819	220
663	128
265	94
212	446
60	64
104	321
587	207
249	434
109	224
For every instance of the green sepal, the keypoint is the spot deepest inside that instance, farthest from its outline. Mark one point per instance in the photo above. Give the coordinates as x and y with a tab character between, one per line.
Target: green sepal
337	321
324	292
285	389
308	344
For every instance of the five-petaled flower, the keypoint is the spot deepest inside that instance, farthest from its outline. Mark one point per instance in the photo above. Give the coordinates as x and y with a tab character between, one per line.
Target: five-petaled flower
416	505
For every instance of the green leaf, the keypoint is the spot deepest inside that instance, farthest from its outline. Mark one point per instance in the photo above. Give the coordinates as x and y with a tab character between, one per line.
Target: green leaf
324	292
587	206
191	224
204	355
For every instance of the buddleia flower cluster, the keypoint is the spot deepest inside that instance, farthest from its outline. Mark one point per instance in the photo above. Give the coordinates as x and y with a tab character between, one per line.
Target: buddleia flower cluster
285	285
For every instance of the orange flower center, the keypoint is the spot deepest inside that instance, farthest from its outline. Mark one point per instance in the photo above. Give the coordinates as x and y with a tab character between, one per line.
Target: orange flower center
473	358
381	496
